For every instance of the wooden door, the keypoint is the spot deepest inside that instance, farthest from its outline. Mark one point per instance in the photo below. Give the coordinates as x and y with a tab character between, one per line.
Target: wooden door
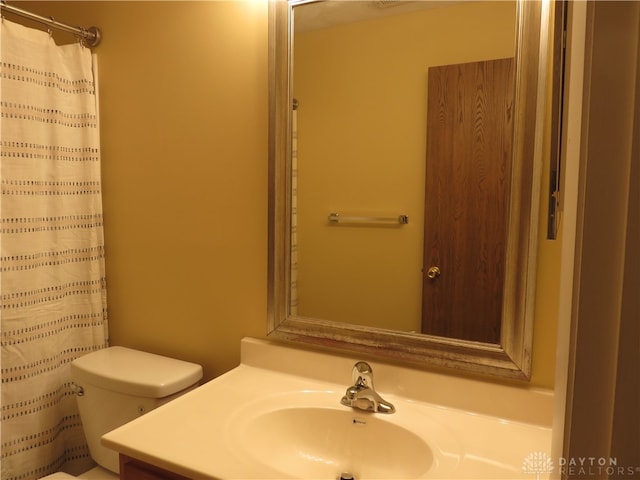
468	169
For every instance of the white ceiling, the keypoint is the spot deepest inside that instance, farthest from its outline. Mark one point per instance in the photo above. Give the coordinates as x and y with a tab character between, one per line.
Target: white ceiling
329	13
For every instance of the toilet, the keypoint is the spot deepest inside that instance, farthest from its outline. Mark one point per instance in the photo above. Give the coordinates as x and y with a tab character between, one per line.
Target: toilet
116	385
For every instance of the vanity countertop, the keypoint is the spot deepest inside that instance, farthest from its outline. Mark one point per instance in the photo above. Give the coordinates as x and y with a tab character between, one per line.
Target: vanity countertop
196	434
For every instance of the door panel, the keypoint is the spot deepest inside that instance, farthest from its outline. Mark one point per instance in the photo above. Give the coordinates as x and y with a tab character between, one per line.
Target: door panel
468	168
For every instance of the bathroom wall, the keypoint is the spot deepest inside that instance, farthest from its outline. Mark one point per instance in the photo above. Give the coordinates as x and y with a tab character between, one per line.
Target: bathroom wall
602	408
183	89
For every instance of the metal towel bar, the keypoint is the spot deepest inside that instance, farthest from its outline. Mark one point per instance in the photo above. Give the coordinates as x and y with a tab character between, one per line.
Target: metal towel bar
336	218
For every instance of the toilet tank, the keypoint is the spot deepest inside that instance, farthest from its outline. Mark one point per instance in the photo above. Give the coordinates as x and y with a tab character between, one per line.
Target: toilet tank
116	385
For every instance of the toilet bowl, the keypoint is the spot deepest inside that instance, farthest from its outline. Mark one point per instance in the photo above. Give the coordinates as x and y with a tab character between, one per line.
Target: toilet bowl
116	385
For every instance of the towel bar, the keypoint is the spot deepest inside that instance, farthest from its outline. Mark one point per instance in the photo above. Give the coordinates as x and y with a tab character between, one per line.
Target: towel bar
336	218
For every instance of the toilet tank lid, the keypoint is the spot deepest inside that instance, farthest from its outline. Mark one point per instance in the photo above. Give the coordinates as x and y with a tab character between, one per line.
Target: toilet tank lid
134	372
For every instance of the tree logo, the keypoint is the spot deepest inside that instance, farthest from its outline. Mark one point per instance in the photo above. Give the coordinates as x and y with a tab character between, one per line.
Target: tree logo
537	463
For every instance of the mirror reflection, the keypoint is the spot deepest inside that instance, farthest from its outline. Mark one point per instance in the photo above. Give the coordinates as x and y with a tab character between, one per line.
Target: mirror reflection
403	108
370	204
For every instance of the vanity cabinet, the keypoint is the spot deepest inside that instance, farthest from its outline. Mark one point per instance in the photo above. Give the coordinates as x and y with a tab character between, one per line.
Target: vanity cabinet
133	469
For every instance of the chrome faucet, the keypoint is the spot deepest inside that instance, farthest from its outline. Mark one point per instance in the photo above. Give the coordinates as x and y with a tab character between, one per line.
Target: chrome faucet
362	395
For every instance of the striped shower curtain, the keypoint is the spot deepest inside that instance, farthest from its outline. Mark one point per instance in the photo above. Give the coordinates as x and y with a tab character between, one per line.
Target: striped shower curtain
52	282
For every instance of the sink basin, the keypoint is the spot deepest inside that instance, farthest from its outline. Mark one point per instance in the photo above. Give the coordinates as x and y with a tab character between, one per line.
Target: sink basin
311	435
258	422
329	442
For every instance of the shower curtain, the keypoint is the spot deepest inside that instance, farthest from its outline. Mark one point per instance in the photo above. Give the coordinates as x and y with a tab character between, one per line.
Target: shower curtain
52	281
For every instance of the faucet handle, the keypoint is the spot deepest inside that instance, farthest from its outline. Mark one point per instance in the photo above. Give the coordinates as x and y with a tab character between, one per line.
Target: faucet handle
362	375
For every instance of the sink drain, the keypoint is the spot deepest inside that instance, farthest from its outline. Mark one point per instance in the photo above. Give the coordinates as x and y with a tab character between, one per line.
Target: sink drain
346	476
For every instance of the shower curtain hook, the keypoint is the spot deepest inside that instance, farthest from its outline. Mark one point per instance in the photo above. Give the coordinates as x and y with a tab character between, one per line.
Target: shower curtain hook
82	38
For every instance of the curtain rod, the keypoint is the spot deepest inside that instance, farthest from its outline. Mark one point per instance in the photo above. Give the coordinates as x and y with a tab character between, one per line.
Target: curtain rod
91	36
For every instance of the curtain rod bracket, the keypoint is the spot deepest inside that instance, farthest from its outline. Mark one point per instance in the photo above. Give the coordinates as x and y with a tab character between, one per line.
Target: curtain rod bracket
94	37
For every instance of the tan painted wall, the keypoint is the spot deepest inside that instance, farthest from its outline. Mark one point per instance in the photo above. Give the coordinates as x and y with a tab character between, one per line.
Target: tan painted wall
183	92
183	89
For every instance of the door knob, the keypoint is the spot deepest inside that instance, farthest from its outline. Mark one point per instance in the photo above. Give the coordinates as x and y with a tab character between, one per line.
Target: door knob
433	273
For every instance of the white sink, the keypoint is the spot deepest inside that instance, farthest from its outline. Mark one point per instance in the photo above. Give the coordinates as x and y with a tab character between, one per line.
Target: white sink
278	415
323	443
309	434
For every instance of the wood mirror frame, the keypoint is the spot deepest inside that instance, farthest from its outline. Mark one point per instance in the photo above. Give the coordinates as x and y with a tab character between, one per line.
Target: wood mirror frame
511	358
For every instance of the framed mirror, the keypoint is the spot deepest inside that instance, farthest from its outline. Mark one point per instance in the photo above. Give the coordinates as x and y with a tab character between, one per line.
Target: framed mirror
380	242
